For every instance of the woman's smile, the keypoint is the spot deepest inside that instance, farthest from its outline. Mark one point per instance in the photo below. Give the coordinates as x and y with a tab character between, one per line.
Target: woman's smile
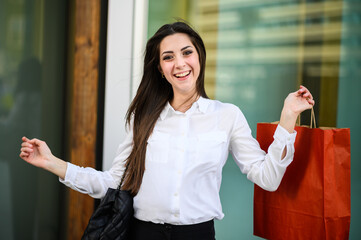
182	75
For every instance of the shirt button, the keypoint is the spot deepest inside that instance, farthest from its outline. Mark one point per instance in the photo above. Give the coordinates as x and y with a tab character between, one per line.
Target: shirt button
182	149
176	194
176	215
179	172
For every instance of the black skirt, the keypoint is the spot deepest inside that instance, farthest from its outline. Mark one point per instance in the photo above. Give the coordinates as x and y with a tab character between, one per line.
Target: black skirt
141	230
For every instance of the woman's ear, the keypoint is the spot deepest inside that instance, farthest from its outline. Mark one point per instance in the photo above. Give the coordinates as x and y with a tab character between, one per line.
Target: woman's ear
160	69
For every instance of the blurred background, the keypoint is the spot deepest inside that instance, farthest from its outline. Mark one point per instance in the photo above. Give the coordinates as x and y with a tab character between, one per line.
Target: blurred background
257	52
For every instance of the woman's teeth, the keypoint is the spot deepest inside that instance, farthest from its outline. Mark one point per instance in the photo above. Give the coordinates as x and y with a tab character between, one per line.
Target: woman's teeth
179	75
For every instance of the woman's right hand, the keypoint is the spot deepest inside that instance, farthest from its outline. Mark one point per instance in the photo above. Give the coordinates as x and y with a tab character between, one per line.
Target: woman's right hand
37	153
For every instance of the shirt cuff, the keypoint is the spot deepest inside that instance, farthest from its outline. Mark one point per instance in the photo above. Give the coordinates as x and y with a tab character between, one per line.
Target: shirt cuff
69	174
284	136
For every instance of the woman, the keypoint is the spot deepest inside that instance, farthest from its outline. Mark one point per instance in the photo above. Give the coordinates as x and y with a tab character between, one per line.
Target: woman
177	143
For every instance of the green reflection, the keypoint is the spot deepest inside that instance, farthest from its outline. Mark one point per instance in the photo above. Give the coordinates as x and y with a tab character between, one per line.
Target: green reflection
256	70
349	104
261	51
31	104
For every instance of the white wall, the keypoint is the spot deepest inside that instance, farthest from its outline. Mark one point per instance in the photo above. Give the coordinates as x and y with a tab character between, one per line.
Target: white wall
127	28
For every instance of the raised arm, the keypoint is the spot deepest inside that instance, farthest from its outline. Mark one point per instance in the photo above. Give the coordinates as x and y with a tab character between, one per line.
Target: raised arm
37	153
267	170
294	104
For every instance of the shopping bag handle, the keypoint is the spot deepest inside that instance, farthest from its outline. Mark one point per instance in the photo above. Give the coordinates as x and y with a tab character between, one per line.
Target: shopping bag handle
313	118
312	122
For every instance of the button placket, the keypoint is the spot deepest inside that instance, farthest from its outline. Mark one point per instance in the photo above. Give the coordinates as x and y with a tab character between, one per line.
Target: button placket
184	122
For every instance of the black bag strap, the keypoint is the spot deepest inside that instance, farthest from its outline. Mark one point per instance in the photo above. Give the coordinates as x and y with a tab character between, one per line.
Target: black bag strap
122	180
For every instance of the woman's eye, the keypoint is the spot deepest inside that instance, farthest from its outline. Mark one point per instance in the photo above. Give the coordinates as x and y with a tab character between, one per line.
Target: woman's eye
188	52
167	57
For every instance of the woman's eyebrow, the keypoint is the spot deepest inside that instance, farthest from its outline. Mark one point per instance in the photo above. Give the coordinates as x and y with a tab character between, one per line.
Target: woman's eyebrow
165	52
185	48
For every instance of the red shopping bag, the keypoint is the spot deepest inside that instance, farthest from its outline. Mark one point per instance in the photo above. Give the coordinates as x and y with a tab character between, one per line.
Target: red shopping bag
313	199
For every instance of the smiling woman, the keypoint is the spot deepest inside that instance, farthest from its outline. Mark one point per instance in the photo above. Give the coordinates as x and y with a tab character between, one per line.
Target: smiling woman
177	144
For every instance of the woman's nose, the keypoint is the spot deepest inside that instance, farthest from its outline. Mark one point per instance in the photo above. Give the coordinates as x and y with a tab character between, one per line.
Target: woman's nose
180	63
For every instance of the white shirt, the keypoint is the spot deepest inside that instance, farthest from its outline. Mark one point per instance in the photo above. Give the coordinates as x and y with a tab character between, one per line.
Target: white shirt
185	156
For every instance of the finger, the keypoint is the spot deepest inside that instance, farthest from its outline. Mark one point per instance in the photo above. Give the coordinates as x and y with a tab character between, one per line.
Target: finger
26	144
25	139
310	101
311	97
303	89
305	92
35	141
24	155
26	149
307	95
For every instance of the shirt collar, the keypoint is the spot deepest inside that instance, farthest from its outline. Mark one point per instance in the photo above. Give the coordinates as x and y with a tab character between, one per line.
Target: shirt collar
165	111
201	103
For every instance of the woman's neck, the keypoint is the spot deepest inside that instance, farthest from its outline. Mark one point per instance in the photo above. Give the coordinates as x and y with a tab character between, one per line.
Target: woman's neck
182	103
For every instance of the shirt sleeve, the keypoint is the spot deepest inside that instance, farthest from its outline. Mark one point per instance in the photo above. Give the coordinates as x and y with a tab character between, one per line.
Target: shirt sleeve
265	170
96	183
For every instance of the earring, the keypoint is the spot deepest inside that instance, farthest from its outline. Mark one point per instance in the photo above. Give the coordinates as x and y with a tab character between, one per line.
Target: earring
162	75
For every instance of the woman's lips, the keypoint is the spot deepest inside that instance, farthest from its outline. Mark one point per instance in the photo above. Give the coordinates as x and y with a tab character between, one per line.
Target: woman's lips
182	74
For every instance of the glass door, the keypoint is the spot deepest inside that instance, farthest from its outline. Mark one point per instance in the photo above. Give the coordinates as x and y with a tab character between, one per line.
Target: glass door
257	53
32	44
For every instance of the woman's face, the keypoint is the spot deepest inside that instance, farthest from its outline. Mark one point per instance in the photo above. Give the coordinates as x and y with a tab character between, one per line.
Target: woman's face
179	62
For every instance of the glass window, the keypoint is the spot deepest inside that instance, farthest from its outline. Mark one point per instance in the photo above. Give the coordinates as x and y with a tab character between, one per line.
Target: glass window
257	53
32	44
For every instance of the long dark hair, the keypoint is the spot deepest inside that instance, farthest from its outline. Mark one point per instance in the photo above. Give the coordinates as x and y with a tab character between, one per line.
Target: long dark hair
153	94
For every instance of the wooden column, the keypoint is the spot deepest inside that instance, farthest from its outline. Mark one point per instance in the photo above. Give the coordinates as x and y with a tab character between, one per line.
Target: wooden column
82	99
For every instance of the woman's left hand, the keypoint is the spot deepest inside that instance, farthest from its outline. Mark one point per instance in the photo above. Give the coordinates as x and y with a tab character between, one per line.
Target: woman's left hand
299	101
294	104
